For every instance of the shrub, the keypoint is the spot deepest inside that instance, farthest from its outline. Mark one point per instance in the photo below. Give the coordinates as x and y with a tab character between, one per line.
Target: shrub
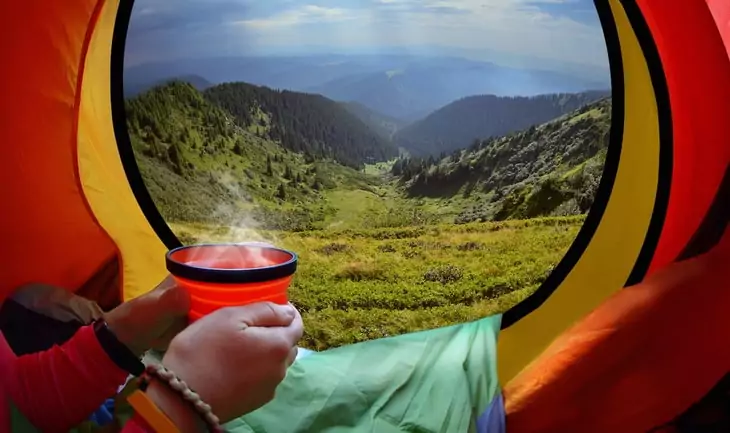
470	246
334	248
444	274
386	248
360	271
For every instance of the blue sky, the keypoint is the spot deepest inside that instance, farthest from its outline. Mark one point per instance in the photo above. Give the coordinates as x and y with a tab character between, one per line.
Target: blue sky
537	32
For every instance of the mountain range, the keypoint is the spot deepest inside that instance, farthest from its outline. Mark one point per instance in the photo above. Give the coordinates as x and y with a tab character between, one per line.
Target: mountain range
404	87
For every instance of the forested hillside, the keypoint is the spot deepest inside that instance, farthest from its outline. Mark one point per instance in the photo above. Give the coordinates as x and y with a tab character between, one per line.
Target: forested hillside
200	165
385	125
551	169
458	124
303	122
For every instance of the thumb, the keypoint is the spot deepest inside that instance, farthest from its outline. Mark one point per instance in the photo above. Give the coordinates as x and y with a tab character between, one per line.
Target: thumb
265	314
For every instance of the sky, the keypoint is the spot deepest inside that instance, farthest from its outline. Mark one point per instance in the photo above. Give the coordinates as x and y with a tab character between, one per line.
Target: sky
535	32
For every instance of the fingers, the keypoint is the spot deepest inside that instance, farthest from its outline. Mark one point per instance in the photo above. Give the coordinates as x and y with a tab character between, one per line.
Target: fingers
266	314
295	330
280	340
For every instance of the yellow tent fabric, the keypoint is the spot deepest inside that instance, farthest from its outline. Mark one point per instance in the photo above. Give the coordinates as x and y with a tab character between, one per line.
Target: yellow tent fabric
142	253
607	262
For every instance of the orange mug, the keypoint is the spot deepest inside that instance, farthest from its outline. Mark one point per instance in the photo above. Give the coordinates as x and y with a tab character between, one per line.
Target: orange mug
224	275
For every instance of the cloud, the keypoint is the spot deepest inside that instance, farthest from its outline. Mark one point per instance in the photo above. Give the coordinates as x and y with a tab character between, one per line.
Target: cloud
552	30
155	15
307	14
163	29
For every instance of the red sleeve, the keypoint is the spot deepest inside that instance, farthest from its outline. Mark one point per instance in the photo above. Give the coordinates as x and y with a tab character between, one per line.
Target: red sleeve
59	388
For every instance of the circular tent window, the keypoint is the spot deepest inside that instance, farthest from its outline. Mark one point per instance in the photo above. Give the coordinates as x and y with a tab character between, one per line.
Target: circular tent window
430	163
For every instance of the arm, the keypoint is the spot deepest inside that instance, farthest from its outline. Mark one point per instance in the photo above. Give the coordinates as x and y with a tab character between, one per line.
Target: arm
59	388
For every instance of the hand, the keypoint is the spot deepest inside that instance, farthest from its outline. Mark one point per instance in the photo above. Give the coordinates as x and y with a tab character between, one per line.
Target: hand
234	358
152	320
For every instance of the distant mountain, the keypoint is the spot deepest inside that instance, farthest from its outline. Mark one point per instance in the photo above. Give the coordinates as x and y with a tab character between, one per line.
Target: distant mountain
303	122
132	88
550	169
278	72
386	126
403	86
458	124
420	86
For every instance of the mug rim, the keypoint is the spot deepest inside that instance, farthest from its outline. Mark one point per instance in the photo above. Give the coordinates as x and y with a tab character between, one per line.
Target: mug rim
229	276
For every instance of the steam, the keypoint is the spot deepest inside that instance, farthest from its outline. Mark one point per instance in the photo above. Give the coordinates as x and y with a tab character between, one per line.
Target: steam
237	226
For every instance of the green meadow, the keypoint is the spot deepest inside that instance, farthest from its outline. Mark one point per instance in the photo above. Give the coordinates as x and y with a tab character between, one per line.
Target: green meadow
354	285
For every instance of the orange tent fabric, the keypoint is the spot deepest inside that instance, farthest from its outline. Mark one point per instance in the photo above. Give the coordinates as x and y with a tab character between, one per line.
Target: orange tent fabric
49	235
638	361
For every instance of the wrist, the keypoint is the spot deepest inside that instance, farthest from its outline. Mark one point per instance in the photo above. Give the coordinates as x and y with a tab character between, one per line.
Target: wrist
117	351
175	408
125	332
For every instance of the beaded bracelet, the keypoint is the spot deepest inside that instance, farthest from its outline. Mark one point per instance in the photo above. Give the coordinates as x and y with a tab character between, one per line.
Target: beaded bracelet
191	397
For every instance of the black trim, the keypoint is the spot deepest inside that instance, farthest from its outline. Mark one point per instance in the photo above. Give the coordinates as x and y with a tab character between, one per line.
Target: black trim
593	220
119	119
116	350
235	276
666	141
713	225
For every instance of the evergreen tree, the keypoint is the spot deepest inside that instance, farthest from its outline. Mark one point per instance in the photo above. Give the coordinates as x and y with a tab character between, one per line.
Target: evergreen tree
269	167
281	192
238	147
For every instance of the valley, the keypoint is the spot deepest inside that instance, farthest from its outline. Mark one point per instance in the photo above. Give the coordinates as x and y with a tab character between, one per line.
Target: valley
392	239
